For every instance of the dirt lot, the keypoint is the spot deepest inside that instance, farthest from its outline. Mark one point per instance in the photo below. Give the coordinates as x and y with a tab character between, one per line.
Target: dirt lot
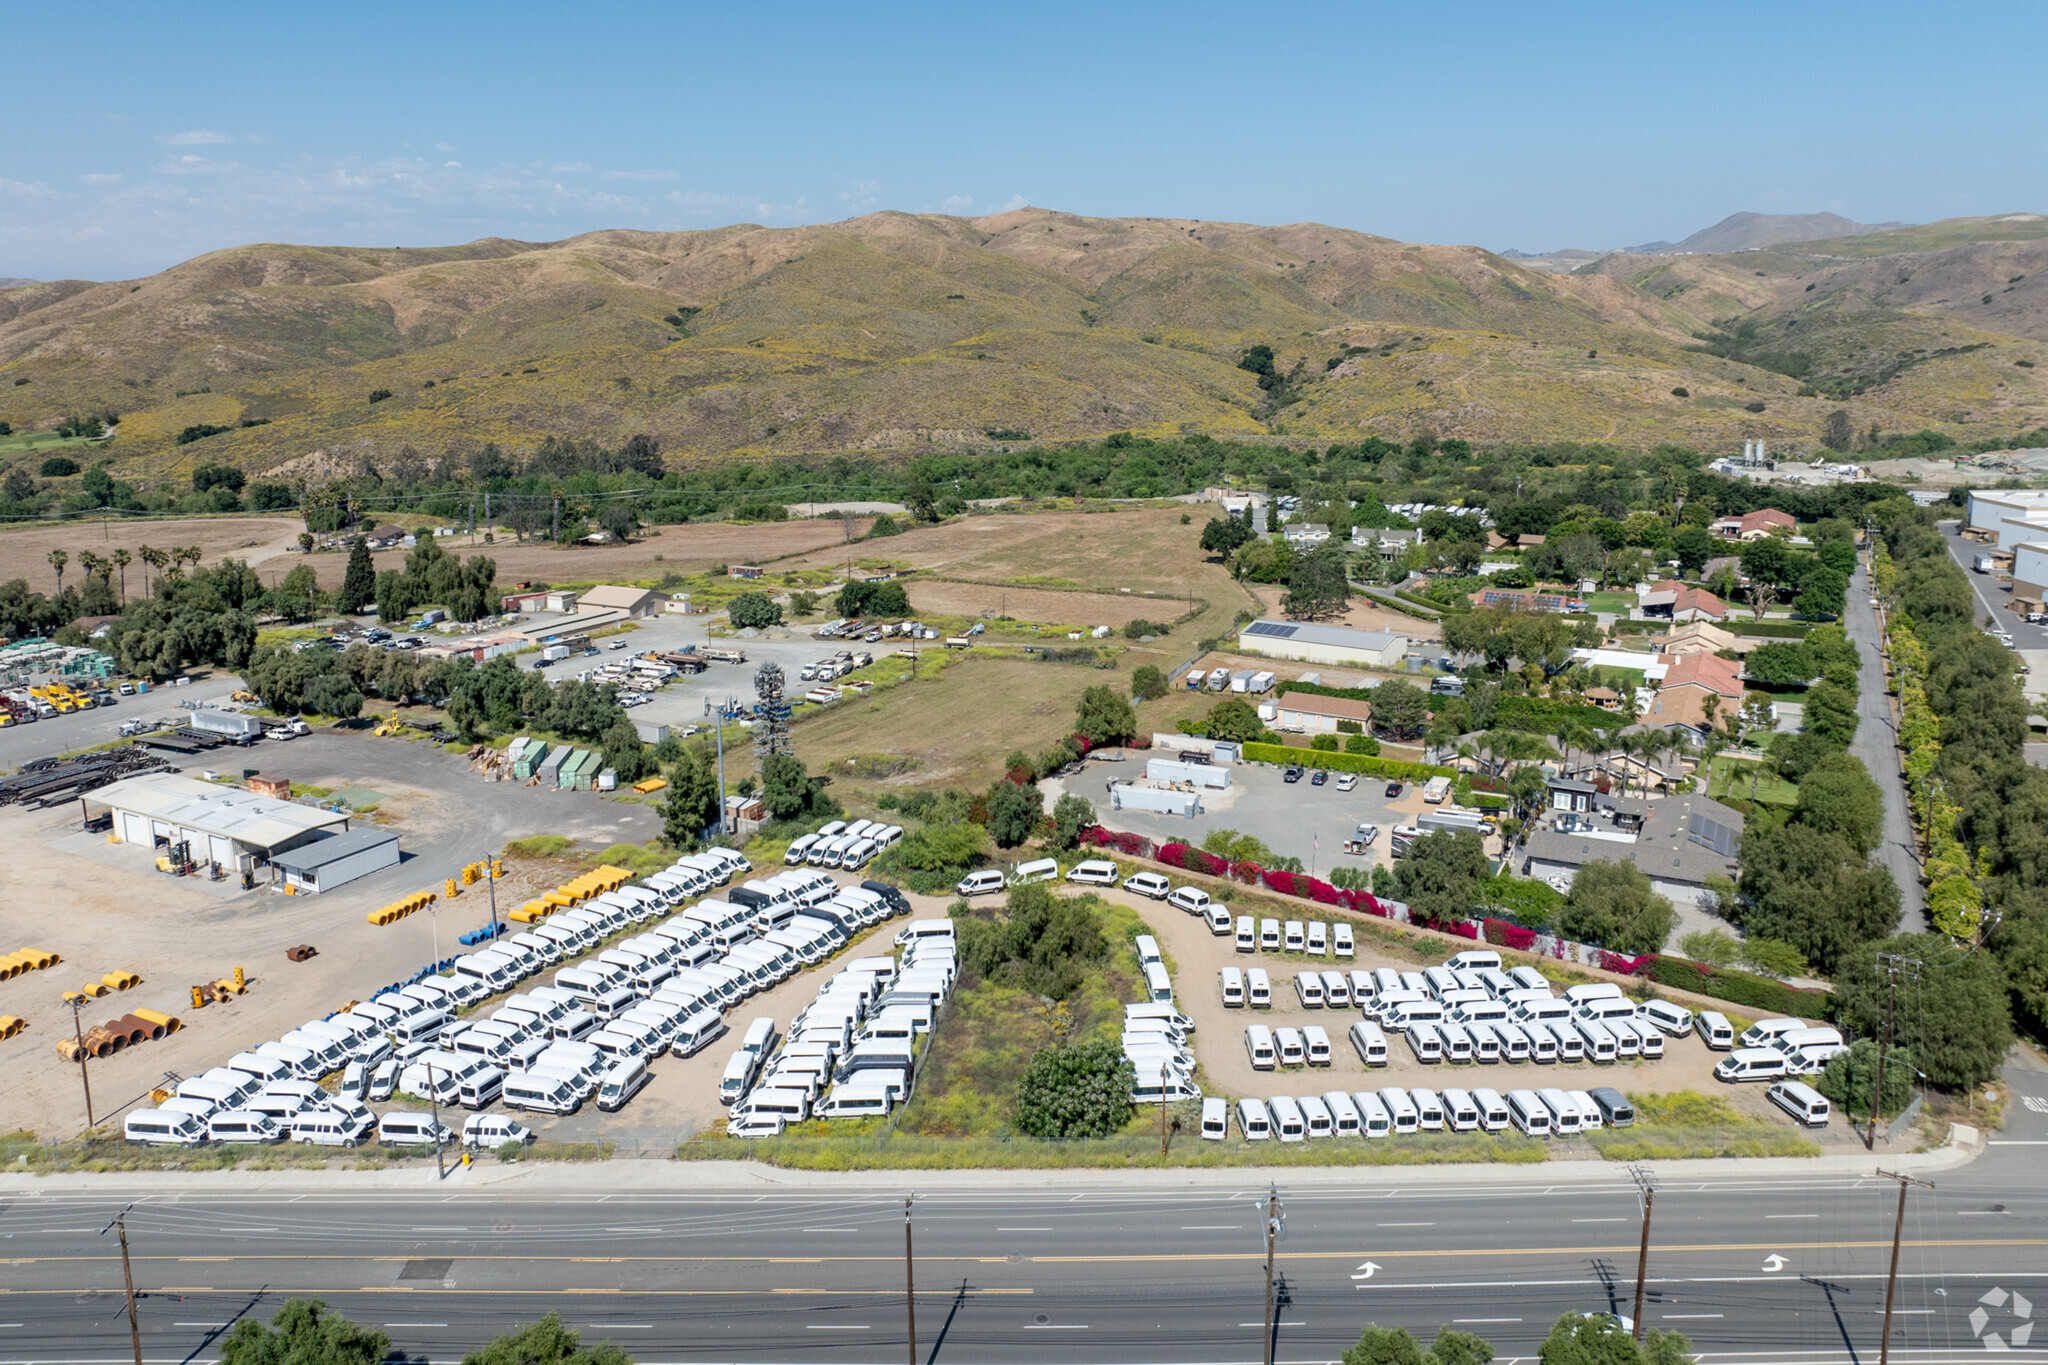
105	907
1048	605
25	553
1360	615
1197	956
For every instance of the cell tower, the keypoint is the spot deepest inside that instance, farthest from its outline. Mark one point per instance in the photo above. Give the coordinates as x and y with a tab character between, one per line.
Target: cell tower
771	735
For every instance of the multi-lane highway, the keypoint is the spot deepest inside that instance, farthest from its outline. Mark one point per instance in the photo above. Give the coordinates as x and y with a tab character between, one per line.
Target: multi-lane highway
1778	1267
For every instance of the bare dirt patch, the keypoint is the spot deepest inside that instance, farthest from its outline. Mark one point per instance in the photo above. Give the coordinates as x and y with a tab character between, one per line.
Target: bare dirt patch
1047	605
25	553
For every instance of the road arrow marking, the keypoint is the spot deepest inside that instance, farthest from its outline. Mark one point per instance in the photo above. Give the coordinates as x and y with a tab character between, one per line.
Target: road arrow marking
1366	1270
1773	1263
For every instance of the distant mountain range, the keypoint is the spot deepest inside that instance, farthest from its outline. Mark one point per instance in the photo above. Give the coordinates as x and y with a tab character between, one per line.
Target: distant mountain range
8	282
894	334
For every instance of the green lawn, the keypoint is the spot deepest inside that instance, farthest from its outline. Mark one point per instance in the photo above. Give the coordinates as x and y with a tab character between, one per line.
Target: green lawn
1770	788
1620	603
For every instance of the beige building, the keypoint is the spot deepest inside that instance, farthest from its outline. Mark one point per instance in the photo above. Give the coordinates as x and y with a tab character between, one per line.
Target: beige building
634	602
1308	714
1314	644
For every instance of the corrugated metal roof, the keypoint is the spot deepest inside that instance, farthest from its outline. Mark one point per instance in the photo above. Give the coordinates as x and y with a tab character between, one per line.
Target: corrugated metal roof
321	852
1341	636
229	812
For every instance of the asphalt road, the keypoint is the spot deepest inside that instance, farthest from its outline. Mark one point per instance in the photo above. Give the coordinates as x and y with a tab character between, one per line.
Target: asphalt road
1752	1269
1877	744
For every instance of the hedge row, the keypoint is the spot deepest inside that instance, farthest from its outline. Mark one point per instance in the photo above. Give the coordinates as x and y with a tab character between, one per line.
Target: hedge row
1740	988
1782	630
1345	763
1396	604
1319	690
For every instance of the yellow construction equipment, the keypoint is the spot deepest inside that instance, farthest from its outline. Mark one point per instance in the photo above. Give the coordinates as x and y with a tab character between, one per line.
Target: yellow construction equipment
245	695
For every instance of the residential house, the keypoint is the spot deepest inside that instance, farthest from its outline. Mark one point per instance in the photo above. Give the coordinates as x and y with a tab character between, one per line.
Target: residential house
1682	698
1308	714
1526	601
1306	534
746	571
385	537
1678	842
1390	543
1697	604
1699	637
1753	525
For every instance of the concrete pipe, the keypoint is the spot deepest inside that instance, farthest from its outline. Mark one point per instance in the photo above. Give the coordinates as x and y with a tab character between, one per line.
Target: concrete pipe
141	1030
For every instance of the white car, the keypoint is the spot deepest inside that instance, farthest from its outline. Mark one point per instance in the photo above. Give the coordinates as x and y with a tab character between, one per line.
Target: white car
280	732
1346	781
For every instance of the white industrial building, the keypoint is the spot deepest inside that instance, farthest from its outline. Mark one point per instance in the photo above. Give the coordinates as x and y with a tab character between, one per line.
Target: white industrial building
1199	774
2030	570
2011	516
337	859
216	824
1323	644
1158	800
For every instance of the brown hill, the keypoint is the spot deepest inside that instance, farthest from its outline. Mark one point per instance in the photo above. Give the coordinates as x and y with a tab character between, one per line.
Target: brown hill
898	331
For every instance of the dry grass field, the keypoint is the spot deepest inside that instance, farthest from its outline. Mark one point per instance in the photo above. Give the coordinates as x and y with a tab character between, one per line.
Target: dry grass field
25	550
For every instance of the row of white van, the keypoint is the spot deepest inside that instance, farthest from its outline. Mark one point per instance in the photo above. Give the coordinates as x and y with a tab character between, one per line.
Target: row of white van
1396	1111
1313	937
857	1037
335	1123
842	845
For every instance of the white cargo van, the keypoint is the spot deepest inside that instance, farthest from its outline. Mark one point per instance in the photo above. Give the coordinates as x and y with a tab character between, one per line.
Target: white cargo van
163	1128
1232	980
1751	1064
1714	1030
1254	1122
1807	1106
1370	1042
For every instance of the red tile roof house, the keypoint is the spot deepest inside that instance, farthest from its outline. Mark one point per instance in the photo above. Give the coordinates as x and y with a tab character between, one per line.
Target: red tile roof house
1681	697
1753	525
1697	604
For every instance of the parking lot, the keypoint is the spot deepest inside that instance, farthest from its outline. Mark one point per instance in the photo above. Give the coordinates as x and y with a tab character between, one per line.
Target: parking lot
1291	818
102	724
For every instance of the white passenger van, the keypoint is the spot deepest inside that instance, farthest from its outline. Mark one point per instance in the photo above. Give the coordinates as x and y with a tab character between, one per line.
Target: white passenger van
1158	985
1258	991
1675	1020
1316	1115
1093	872
1151	885
1288	1124
1528	1113
243	1125
1253	1120
1293	937
1308	989
1336	991
1457	1043
163	1128
1714	1030
1343	1113
621	1082
1148	950
1475	959
985	882
1564	1111
1317	943
1807	1106
1247	937
334	1127
1341	942
1598	1042
1215	1119
409	1128
1400	1109
1493	1110
1429	1110
1751	1064
539	1092
1232	981
1373	1119
1315	1044
1288	1042
1370	1043
1192	899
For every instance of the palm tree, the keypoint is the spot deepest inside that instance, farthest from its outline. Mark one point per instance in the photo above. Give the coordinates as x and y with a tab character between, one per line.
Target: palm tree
58	559
154	559
121	561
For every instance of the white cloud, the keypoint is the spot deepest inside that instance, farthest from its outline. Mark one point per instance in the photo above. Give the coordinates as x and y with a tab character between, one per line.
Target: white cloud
570	168
1017	201
956	203
453	165
200	165
446	147
861	196
99	179
198	137
639	175
21	189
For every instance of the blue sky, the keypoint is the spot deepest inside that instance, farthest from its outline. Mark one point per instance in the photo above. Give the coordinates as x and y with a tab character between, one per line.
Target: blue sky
137	135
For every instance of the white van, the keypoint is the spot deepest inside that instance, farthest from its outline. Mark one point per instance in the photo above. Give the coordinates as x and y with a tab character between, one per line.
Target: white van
1148	950
1564	1111
1475	959
1576	996
1493	1110
1317	943
220	1087
1294	937
621	1082
985	882
1764	1031
243	1125
1148	884
740	1070
1714	1030
1751	1064
1158	986
334	1127
1293	1049
409	1128
1605	1007
1341	942
1598	1042
1037	870
1336	991
1258	1047
1288	1124
697	1032
1253	1120
1308	989
1401	1110
1247	937
1675	1020
1529	1114
799	848
163	1128
1269	935
1374	1121
1192	899
853	1101
1797	1040
539	1092
1315	1044
1093	872
1514	1041
1429	1110
1232	980
1807	1106
1215	1119
1370	1042
1316	1115
1258	990
1343	1113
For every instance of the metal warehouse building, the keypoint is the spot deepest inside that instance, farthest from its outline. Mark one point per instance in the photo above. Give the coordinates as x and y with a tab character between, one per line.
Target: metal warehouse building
1323	644
338	859
220	825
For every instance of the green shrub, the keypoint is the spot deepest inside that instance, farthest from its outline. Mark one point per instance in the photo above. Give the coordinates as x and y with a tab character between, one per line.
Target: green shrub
1759	993
1080	1090
1346	763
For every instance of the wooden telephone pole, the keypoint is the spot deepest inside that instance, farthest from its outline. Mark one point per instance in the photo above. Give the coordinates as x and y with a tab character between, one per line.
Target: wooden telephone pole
1275	1220
909	1278
1891	1284
1891	964
1647	1185
120	1227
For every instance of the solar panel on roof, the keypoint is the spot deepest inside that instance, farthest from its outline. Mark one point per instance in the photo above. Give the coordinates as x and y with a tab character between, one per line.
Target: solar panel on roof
1271	628
1715	835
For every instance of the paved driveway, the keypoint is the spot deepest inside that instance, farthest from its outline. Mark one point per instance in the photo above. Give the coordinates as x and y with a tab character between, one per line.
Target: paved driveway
1877	744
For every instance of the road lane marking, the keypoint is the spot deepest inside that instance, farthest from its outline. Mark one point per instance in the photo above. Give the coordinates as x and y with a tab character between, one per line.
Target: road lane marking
1215	1227
1497	1319
1082	1326
841	1229
1407	1225
1791	1215
1599	1220
830	1327
415	1324
1977	1213
235	1230
1037	1229
623	1326
1681	1317
1277	1324
653	1230
212	1326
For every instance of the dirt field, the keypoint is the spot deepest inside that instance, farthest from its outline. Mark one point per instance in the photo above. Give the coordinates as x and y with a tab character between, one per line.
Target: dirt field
1078	609
25	553
1361	615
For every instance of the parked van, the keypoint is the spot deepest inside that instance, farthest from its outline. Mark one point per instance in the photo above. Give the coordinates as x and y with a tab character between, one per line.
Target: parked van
621	1082
1215	1119
1564	1111
1605	1007
1148	884
243	1125
697	1031
1370	1043
1315	1044
1308	989
1615	1110
1714	1030
1147	949
1457	1042
1374	1121
1429	1110
1765	1031
1599	1043
985	882
1540	1011
1529	1114
1232	979
409	1128
1576	996
1253	1120
1751	1064
1425	1042
1475	959
1408	1014
1192	899
540	1092
1288	1043
1217	917
1514	1041
1343	1113
162	1128
1336	990
480	1087
1317	943
334	1127
1093	872
1257	989
1293	937
1288	1123
1627	1042
1807	1106
1590	1116
1675	1020
1794	1041
1493	1110
1158	986
738	1078
1247	939
1269	935
1401	1111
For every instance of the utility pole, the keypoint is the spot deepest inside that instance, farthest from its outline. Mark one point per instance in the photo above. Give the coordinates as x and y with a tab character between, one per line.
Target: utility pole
909	1278
556	534
721	770
78	1032
434	1099
120	1227
1274	1222
491	883
1646	1184
1891	964
1891	1284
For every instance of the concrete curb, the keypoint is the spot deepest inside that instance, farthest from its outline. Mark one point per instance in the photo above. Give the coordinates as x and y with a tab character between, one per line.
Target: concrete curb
716	1177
